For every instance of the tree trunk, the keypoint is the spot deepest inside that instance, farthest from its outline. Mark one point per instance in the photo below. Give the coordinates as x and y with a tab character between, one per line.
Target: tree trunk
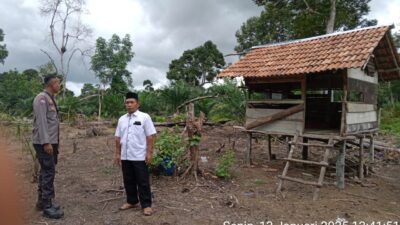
330	26
194	128
100	100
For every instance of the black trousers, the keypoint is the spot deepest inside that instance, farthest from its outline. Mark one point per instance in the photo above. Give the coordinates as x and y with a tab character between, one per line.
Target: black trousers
137	182
47	171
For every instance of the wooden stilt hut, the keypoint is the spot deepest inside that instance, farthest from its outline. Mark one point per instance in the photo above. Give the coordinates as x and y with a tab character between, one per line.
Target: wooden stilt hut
322	88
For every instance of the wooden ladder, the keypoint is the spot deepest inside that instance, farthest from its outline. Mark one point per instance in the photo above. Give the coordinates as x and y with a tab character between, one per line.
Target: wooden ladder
324	163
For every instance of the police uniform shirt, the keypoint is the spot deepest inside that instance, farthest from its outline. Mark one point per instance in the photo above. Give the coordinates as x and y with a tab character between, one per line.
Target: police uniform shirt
45	120
132	129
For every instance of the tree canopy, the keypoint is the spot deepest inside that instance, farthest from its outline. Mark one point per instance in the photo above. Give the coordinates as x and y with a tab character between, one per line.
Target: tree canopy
3	49
283	20
197	66
110	62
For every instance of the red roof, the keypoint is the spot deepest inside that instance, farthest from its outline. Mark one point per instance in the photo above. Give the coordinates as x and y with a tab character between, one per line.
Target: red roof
350	49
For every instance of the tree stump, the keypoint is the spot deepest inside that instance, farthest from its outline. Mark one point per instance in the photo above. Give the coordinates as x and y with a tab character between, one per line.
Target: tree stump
194	127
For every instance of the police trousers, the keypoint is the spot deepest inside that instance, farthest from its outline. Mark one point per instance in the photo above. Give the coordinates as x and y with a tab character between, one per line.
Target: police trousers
47	171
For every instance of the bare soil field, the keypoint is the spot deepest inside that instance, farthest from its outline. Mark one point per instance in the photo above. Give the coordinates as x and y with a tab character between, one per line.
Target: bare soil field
90	190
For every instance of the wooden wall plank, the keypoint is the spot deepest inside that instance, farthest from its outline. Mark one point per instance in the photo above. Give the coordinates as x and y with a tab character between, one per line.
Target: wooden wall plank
255	113
360	107
358	74
353	128
361	117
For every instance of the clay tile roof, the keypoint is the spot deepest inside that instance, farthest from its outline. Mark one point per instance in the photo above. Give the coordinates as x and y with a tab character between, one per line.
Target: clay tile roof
349	49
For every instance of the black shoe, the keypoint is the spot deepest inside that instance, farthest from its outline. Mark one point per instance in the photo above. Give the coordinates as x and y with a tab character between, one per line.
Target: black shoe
53	213
40	205
50	211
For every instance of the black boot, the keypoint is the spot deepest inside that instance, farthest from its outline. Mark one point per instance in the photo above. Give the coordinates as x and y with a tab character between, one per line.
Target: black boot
50	212
39	204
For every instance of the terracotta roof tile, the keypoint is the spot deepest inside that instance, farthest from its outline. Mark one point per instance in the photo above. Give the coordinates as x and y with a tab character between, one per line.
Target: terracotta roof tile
350	49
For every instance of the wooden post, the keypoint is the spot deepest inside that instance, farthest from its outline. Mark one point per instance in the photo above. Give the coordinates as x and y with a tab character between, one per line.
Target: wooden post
340	166
288	145
361	159
305	149
344	103
304	98
371	149
269	148
248	152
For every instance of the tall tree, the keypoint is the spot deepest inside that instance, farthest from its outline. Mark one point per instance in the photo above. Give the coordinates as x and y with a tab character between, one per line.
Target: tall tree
17	91
3	50
110	62
67	32
283	20
197	66
148	85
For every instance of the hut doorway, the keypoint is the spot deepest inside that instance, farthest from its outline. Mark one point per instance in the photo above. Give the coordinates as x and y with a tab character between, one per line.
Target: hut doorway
324	101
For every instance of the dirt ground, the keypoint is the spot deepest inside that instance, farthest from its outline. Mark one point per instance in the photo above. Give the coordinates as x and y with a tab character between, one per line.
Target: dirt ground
90	189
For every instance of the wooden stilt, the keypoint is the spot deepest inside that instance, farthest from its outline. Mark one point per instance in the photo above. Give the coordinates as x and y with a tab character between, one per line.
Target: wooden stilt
371	149
340	166
269	148
361	159
248	152
305	149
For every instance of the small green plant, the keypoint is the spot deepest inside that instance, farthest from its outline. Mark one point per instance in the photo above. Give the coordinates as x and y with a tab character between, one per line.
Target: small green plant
260	182
195	140
223	169
169	146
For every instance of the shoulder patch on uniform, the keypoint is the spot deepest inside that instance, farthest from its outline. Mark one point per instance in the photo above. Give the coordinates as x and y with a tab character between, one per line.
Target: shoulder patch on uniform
42	101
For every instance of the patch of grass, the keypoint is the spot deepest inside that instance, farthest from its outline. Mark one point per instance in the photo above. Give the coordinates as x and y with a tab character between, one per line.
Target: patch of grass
260	182
390	121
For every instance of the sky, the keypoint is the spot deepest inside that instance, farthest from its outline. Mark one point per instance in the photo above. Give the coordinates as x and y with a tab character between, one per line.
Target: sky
160	31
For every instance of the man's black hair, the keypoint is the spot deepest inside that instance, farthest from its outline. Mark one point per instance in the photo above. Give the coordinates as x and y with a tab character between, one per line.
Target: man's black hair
49	77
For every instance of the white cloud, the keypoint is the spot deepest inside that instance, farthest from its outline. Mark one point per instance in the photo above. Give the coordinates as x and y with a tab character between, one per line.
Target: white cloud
160	29
75	87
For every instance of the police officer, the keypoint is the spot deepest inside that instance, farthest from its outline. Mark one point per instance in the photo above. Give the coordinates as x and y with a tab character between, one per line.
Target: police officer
46	130
134	151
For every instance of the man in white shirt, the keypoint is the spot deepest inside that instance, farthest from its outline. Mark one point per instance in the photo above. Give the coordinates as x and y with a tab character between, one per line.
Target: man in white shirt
134	151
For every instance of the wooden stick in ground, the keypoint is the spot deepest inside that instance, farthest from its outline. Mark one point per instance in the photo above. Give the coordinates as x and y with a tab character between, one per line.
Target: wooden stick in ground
340	165
361	159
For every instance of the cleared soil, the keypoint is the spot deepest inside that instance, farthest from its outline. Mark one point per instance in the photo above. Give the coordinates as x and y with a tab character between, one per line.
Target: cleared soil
90	190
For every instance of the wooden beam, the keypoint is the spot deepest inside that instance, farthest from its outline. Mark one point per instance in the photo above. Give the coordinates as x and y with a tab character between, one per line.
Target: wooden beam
276	101
392	52
299	181
274	117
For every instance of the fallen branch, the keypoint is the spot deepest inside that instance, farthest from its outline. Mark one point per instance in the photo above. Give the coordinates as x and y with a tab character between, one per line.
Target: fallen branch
195	99
111	199
174	208
183	123
360	196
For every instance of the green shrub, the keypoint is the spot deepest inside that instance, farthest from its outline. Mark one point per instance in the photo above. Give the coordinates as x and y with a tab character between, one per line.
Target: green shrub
168	145
223	169
390	121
